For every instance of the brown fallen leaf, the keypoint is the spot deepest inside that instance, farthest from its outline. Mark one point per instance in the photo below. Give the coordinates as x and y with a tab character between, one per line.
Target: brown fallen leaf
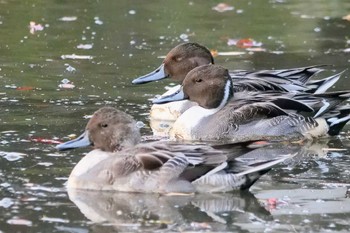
24	88
214	52
346	17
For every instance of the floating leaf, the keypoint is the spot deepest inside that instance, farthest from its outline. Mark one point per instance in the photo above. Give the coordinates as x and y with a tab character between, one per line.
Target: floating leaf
346	17
44	140
84	46
256	49
46	164
33	27
66	84
244	43
58	220
18	221
272	203
200	225
72	136
214	53
24	88
222	7
68	18
74	57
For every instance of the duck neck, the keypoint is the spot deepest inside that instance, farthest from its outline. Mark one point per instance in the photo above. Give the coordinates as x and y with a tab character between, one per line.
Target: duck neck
226	97
228	94
193	116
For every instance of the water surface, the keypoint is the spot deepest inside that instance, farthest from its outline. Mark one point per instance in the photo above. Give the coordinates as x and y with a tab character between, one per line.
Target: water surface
114	42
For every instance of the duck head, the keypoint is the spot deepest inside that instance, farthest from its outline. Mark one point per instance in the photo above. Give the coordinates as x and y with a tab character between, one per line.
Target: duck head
109	130
209	85
178	62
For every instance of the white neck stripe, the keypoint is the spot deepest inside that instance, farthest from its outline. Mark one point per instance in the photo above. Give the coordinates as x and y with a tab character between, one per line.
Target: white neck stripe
227	91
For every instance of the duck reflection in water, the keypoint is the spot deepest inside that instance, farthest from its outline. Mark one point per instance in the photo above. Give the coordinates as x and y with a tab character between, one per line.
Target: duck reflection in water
149	212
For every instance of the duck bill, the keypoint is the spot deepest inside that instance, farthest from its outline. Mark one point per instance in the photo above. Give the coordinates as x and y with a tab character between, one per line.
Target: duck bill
176	96
81	141
155	75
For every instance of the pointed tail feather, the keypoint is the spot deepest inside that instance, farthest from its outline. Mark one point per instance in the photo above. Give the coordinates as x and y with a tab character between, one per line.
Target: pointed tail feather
330	101
337	119
321	86
266	164
300	75
254	173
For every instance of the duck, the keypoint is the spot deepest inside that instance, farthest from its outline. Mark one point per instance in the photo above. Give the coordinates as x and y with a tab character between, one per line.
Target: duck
120	162
221	114
185	57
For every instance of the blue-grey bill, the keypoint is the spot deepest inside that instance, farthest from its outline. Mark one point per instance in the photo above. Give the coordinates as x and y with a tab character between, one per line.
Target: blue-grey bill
155	75
81	141
176	96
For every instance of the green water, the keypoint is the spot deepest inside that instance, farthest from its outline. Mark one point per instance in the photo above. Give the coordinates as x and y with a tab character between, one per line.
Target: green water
117	41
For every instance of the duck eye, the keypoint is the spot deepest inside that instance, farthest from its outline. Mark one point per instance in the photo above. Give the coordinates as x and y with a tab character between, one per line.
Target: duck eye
198	80
104	125
177	58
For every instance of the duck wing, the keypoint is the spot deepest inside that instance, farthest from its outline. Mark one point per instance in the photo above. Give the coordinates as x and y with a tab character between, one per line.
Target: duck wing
299	75
248	112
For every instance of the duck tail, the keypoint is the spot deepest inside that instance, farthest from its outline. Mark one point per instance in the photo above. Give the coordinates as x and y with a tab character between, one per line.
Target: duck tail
329	101
256	170
337	119
301	75
321	86
251	178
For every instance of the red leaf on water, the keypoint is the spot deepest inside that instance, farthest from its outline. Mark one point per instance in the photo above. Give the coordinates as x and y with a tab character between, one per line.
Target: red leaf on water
244	43
44	140
272	201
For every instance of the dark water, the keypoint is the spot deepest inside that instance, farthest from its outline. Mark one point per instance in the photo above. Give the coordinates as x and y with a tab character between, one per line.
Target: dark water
116	41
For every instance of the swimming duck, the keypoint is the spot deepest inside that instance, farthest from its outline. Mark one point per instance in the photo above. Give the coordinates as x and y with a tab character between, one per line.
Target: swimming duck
185	57
222	114
120	163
